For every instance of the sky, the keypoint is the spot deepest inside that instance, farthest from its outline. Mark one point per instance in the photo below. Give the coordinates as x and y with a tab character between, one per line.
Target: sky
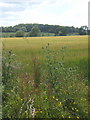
53	12
88	15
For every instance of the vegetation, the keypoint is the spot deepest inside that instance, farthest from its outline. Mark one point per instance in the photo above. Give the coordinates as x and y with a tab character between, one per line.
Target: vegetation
42	79
83	30
20	33
50	29
35	32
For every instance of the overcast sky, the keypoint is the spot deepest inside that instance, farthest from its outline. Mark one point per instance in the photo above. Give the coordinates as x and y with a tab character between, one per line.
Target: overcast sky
56	12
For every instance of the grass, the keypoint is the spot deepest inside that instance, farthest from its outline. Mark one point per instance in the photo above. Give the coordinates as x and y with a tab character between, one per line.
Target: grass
76	48
52	80
12	34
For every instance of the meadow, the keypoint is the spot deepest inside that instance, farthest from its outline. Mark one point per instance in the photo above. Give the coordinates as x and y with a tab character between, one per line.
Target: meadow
13	34
52	78
76	52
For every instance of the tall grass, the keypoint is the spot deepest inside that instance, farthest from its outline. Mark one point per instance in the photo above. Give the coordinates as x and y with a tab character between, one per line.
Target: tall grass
51	90
24	48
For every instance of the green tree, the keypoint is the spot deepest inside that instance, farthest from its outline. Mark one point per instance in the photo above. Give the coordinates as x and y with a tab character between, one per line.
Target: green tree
61	31
88	32
35	31
83	30
19	33
23	29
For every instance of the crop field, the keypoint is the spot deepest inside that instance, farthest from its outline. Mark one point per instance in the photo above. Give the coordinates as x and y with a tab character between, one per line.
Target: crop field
49	78
76	48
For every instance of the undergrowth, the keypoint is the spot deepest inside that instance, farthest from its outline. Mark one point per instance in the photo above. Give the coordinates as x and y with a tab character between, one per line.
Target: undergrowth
53	91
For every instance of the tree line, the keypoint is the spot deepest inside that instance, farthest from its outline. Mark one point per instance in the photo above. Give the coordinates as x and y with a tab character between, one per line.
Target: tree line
34	30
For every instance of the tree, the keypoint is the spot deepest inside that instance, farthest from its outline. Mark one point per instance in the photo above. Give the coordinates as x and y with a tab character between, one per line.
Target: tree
61	31
19	33
88	32
35	31
57	31
83	30
23	29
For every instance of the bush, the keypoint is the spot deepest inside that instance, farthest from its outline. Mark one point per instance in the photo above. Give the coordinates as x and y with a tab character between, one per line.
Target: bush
10	82
19	34
50	91
35	32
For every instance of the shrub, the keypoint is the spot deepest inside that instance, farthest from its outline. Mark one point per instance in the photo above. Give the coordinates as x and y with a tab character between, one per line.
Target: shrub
9	81
50	91
19	34
35	32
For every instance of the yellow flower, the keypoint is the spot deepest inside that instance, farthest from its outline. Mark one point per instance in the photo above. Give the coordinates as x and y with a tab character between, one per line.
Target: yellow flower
72	108
59	104
77	117
76	110
53	97
69	117
36	112
62	115
18	98
56	99
11	90
40	111
21	99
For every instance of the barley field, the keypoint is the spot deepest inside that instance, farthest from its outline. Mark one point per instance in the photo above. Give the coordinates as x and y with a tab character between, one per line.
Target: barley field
76	48
51	80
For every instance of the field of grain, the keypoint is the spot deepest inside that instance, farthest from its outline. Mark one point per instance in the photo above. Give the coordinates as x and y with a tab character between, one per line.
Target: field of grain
76	52
52	81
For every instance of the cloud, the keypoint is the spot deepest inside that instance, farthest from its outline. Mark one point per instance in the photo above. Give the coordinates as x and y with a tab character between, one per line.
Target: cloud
61	12
12	7
17	5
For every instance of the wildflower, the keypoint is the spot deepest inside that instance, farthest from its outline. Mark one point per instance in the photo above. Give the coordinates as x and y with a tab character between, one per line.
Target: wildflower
11	90
18	98
56	99
59	104
63	116
21	99
36	112
72	108
77	117
69	117
76	110
40	111
53	97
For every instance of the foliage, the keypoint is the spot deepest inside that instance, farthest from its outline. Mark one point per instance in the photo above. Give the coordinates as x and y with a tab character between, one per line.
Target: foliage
55	29
35	32
20	33
23	29
24	48
49	91
83	30
64	86
61	31
88	32
9	80
8	35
